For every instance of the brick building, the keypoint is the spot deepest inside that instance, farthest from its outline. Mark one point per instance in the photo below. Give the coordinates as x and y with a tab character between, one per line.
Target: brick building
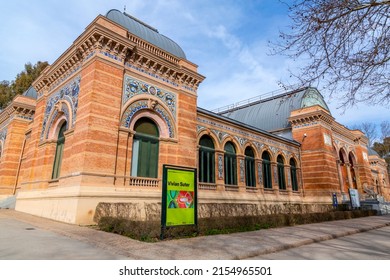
121	101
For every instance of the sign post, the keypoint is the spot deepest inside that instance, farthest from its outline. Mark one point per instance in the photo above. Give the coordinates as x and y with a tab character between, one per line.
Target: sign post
179	197
334	200
354	196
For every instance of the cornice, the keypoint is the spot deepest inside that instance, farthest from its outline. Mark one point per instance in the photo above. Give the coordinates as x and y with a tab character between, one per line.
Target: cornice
311	117
99	40
21	106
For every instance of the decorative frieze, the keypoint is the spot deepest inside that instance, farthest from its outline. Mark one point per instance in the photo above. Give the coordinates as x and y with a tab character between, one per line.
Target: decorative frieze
147	104
260	173
247	135
135	53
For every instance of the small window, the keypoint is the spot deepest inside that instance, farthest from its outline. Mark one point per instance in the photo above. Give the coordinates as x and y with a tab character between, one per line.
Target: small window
230	164
250	176
281	177
293	172
145	149
206	160
59	152
267	170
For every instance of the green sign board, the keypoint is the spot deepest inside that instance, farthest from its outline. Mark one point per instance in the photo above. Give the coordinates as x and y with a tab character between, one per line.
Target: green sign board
179	198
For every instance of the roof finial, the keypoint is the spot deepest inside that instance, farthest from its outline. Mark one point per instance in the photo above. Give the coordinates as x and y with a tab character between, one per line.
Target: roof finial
124	9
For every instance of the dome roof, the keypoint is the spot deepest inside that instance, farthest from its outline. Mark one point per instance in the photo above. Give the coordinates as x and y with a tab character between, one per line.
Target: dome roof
31	92
145	32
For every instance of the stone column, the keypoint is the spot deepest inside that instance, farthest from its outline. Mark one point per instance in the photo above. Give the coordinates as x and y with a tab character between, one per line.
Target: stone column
341	182
241	172
275	181
350	183
259	173
220	171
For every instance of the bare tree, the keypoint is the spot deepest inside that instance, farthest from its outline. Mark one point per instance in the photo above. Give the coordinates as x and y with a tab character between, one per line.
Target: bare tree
369	129
385	129
347	44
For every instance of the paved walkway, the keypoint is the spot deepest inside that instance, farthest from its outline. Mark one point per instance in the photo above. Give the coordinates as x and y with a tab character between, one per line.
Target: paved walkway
75	242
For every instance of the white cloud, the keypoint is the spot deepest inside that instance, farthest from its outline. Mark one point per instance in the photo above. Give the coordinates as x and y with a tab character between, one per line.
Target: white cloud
227	39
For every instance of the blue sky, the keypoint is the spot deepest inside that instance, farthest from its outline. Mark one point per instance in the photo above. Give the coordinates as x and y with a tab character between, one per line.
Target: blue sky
227	39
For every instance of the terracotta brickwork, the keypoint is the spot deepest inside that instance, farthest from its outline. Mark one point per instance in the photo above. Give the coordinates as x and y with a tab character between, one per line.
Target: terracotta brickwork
14	121
107	81
334	157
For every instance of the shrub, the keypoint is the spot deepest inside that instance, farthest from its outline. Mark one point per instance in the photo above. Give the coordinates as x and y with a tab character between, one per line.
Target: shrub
149	231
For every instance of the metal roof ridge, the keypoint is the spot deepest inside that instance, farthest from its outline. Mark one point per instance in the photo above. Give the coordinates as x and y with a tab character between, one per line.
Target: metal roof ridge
248	102
248	126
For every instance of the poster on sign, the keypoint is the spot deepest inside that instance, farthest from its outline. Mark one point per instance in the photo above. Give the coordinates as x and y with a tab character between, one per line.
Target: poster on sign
354	196
179	197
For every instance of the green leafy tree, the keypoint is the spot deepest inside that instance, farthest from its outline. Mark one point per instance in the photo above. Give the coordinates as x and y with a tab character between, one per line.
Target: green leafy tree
23	80
383	150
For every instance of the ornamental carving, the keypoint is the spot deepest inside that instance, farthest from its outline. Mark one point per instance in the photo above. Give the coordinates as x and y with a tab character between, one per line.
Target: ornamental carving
242	170
64	101
260	172
220	166
133	87
139	105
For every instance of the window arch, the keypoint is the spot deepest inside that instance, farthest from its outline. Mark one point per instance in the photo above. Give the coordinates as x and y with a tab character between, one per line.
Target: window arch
250	177
59	152
293	173
145	149
206	160
267	170
230	164
281	177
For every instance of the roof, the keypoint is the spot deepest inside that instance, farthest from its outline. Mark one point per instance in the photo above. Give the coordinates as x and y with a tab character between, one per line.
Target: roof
31	92
145	32
272	113
244	125
372	152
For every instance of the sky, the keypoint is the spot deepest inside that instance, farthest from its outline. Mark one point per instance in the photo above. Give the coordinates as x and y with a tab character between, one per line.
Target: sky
227	39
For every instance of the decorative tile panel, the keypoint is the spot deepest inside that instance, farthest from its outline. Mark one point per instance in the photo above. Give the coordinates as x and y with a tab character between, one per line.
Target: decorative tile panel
199	128
220	166
133	87
70	94
241	140
275	175
242	170
145	104
260	172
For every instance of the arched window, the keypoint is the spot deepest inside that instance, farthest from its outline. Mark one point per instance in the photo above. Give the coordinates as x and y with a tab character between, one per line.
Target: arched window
206	160
250	177
293	173
281	177
230	164
145	149
267	170
59	152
